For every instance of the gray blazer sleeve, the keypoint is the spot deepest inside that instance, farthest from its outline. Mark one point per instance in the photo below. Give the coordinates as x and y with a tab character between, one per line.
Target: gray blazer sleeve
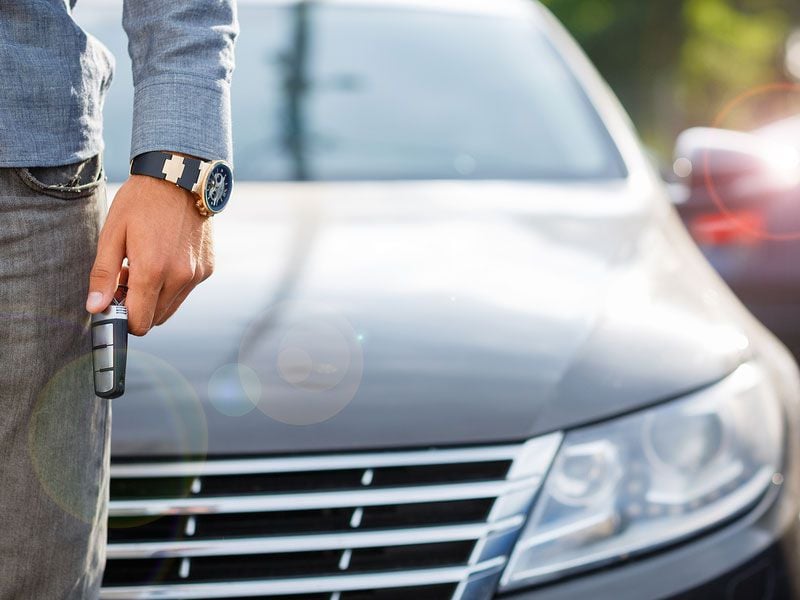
182	54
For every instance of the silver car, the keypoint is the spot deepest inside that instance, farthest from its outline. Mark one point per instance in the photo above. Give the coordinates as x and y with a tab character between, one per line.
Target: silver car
458	343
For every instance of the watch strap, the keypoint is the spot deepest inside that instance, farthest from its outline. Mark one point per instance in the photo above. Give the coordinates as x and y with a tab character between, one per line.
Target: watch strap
183	171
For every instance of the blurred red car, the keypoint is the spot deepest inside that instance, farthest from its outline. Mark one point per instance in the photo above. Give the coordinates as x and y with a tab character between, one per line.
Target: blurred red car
739	195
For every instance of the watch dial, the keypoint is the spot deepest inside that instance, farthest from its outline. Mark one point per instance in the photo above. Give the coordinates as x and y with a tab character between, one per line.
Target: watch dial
219	186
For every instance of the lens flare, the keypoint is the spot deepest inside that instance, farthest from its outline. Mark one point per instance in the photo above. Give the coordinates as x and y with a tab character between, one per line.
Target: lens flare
234	390
68	440
308	359
159	415
56	432
162	408
754	108
69	427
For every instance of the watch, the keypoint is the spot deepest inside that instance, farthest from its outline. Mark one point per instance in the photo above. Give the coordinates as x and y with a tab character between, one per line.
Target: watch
210	181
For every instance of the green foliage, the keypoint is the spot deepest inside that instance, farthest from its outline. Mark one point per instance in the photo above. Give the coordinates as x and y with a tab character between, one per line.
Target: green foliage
728	51
676	63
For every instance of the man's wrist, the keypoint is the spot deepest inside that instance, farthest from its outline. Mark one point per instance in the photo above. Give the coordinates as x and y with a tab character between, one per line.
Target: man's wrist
210	181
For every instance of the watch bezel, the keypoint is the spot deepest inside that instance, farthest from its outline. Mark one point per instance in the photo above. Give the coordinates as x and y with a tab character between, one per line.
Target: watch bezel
204	177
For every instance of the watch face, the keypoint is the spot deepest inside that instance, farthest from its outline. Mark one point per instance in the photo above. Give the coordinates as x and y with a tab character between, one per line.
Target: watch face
218	188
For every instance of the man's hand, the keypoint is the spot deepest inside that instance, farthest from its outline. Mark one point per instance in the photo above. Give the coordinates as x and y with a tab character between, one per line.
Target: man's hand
168	244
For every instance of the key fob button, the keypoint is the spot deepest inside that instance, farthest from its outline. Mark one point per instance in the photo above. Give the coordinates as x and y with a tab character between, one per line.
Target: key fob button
103	358
103	335
104	381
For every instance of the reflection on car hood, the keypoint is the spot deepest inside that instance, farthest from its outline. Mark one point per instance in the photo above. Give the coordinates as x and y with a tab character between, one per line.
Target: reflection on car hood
408	314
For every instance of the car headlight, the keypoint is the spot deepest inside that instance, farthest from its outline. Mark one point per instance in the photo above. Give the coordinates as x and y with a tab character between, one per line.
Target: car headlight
651	478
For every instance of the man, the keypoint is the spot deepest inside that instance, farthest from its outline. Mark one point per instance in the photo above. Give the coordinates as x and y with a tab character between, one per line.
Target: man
53	430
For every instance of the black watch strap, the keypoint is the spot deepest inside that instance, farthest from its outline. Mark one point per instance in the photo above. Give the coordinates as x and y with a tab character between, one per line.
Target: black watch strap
181	170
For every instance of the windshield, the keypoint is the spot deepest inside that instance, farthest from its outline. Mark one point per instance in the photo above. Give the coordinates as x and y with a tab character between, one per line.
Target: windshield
332	92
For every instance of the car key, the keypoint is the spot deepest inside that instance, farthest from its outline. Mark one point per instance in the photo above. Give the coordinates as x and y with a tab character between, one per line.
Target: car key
110	347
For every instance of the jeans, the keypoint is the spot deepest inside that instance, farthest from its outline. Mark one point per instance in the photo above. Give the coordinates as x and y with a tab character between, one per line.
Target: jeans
54	432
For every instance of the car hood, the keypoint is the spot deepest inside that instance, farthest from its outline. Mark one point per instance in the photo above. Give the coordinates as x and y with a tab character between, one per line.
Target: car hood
365	316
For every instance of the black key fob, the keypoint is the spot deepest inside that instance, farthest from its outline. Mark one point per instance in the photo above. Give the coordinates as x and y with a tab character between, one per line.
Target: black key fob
109	350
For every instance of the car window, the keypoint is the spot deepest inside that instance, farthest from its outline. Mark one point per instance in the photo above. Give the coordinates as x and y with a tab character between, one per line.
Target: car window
330	92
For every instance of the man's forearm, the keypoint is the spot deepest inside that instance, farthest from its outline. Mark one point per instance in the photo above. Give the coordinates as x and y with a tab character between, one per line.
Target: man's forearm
182	55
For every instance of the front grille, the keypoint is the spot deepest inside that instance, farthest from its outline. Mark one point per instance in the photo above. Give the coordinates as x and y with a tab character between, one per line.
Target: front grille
429	524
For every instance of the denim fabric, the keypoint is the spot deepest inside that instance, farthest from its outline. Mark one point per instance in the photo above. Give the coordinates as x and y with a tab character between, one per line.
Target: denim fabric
54	77
54	432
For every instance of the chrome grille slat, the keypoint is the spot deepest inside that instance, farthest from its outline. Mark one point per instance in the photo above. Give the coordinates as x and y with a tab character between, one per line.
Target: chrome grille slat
331	462
302	585
305	543
300	501
442	521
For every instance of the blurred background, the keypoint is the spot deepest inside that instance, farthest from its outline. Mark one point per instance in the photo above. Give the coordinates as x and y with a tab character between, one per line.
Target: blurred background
676	63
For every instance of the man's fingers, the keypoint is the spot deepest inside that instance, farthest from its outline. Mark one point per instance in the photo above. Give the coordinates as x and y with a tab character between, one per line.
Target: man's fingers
201	274
176	288
105	272
170	310
166	257
144	290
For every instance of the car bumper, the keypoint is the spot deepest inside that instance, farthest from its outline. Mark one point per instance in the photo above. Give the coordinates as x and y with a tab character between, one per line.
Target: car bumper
754	558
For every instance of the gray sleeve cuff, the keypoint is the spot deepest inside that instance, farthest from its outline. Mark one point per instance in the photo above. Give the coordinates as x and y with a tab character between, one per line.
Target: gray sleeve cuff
182	113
